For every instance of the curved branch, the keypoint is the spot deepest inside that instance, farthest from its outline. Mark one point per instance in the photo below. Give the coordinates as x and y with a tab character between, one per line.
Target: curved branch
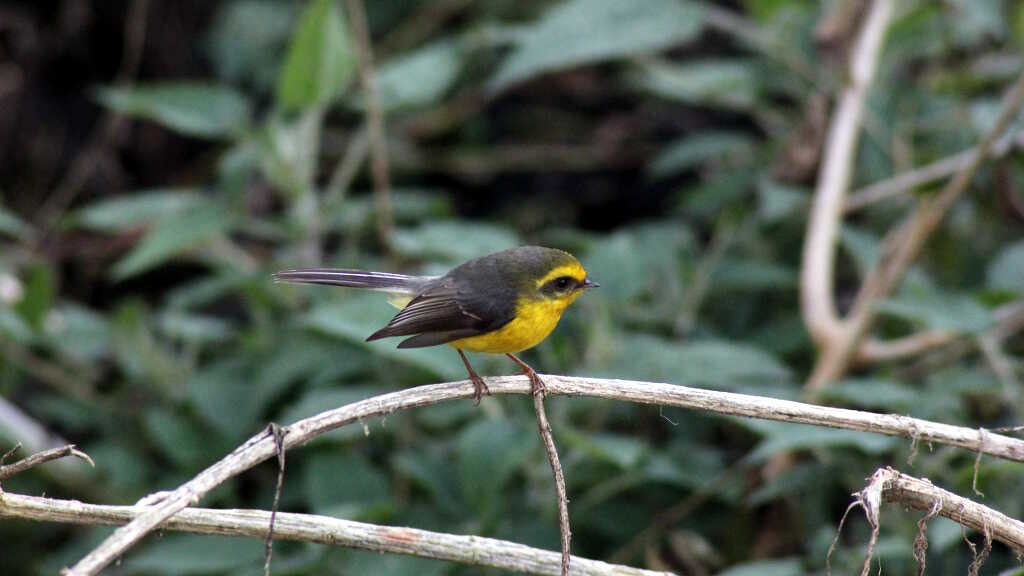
262	446
901	248
816	279
470	550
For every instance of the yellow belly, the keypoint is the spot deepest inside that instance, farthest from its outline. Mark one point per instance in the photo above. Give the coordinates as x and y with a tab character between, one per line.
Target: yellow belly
533	322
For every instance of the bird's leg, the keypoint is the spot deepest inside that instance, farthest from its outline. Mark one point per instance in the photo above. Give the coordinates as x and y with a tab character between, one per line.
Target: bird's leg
536	384
479	387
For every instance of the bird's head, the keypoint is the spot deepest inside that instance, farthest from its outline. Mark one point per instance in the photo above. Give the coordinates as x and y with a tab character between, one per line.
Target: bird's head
552	275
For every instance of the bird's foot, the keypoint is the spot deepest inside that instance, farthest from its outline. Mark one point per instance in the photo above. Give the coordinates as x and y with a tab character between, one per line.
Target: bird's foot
537	385
479	388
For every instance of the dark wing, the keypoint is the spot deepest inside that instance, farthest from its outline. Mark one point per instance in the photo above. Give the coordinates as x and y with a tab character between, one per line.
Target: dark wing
447	311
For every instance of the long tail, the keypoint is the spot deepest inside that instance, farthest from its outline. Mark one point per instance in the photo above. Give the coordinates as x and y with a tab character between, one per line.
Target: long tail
386	281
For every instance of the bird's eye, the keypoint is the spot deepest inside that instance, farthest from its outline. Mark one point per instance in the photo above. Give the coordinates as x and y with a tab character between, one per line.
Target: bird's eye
563	283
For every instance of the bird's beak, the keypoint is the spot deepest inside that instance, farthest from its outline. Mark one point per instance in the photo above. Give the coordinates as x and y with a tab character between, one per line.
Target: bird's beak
588	283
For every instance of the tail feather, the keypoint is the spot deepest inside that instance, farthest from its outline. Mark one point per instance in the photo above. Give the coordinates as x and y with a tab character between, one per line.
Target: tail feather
386	281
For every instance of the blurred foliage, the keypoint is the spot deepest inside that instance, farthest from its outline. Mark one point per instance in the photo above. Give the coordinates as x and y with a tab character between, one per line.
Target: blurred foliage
664	142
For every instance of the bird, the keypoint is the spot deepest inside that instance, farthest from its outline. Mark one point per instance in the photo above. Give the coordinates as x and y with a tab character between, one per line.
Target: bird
501	303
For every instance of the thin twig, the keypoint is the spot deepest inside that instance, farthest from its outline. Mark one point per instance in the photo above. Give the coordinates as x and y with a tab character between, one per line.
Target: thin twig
817	303
42	457
345	170
414	29
470	550
375	122
1009	319
556	469
268	545
262	446
943	168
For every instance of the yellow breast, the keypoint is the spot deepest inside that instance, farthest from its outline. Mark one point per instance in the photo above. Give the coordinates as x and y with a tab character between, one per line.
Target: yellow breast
534	320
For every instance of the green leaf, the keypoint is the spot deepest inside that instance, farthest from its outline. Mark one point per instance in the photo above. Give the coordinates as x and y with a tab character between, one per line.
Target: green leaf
172	237
141	208
364	562
938	310
487	453
578	32
431	470
194	328
79	332
786	437
363	314
37	297
317	400
319	62
1006	272
775	567
247	38
12	225
188	554
640	261
752	275
863	246
724	83
622	451
420	78
13	325
346	485
191	108
694	150
178	438
453	240
876	393
801	479
777	201
222	394
722	188
290	148
712	363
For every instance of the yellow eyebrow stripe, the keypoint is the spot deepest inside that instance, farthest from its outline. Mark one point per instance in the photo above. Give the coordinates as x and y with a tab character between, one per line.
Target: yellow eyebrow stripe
574	270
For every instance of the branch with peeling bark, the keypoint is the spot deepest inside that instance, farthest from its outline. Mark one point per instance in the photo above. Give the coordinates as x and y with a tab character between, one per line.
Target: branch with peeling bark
890	485
471	550
263	446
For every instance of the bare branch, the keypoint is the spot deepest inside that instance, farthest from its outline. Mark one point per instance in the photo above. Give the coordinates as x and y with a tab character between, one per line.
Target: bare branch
262	446
816	277
472	550
42	457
